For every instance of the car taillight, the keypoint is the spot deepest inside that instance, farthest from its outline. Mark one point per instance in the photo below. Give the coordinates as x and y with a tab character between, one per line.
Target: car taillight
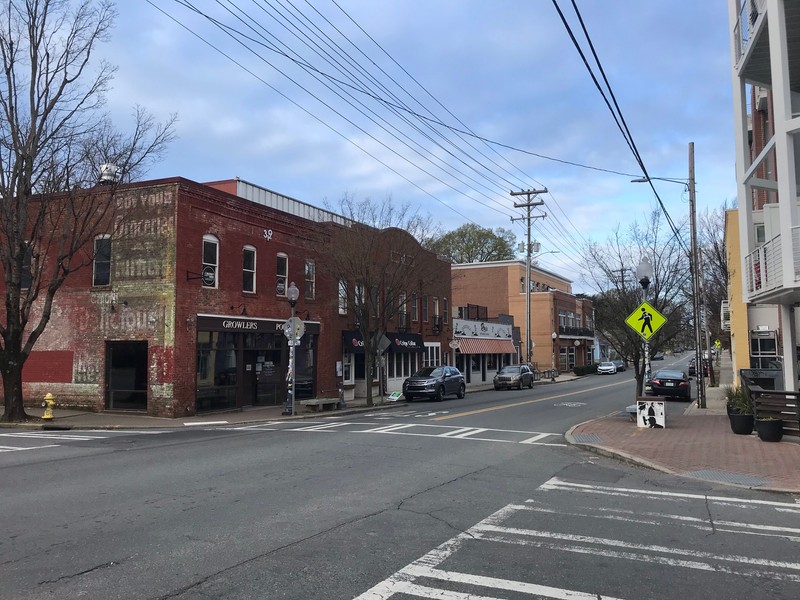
656	381
683	383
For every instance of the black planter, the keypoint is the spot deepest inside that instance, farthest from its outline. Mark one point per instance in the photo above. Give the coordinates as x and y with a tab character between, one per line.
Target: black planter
741	424
770	431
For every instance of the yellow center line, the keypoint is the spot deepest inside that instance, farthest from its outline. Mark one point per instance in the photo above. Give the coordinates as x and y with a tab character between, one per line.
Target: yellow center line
515	404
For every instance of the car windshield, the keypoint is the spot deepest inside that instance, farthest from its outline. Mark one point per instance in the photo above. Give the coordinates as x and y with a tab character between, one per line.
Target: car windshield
510	370
429	372
606	364
668	375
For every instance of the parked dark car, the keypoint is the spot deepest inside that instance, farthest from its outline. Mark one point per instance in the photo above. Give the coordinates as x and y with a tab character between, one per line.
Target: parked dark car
435	383
692	366
670	383
620	364
513	376
658	356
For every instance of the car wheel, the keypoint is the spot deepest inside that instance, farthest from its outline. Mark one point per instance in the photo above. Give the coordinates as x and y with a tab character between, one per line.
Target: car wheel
530	383
439	396
496	388
409	397
462	391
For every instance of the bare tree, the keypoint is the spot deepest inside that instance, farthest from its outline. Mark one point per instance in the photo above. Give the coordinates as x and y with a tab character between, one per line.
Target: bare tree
377	260
711	226
54	137
611	271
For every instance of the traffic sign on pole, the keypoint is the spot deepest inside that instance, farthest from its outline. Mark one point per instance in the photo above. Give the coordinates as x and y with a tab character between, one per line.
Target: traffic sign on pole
645	320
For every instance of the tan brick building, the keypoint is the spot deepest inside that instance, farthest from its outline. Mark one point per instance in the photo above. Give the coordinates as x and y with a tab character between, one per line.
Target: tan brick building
500	286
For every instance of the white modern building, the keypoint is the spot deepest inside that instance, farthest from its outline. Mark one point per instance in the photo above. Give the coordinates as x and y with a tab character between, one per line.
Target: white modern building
765	48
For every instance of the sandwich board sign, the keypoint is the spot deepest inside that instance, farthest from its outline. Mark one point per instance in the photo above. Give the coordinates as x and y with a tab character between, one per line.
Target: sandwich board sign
645	320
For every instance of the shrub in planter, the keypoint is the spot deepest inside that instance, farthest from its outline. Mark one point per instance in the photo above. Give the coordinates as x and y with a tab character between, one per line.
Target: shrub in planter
741	409
769	429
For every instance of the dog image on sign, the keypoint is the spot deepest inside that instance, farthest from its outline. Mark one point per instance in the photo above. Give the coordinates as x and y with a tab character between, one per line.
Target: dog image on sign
650	414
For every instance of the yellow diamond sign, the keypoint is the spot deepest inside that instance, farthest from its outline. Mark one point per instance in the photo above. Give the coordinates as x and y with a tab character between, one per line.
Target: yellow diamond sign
645	320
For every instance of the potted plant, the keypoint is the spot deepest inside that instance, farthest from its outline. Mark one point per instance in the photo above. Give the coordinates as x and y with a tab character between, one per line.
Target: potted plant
769	429
741	409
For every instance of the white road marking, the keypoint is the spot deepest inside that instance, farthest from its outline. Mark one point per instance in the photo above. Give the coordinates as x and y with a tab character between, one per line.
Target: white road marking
15	449
321	427
407	581
555	484
201	423
54	436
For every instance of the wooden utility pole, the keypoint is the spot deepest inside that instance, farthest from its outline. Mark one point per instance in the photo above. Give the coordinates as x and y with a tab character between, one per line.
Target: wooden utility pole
529	205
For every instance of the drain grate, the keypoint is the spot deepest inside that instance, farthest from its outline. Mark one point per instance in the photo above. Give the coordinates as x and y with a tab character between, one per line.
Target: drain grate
728	477
589	438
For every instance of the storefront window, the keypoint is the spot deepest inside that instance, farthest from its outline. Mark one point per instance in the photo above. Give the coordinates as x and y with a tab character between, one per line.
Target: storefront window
491	362
216	370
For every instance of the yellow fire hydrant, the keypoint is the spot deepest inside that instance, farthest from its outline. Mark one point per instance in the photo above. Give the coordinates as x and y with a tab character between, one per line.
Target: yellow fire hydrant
49	402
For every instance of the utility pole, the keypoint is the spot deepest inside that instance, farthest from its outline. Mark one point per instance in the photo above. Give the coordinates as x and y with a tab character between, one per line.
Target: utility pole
529	204
696	289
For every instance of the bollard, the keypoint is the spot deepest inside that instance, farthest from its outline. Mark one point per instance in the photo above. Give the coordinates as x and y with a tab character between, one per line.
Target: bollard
48	403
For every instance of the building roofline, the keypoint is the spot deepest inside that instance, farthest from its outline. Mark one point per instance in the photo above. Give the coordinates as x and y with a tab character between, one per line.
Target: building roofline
506	263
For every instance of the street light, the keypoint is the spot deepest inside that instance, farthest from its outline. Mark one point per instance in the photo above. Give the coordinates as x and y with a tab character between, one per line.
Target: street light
553	335
292	294
695	272
644	274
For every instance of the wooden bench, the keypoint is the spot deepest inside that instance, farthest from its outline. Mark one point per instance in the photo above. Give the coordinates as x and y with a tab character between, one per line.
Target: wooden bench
324	403
778	404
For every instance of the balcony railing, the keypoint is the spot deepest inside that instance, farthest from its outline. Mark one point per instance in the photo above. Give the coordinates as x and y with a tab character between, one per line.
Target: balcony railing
765	268
796	252
576	331
748	15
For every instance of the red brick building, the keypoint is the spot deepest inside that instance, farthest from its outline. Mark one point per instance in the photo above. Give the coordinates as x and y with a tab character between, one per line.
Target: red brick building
184	307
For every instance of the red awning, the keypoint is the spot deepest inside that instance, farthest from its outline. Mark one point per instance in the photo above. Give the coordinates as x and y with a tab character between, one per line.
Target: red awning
485	346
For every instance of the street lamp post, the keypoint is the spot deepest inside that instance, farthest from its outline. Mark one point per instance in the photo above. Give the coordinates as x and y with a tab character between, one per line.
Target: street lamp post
292	294
644	273
697	302
553	335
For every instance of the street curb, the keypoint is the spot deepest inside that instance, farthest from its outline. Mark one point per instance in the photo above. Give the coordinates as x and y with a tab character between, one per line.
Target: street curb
640	462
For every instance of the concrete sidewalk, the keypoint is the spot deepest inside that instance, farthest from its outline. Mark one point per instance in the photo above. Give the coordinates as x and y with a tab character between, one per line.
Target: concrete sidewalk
698	444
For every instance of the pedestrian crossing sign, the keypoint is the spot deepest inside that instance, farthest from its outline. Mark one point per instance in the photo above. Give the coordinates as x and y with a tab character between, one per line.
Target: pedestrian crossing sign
645	320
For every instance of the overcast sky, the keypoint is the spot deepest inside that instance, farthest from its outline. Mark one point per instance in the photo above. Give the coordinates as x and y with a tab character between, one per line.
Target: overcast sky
457	102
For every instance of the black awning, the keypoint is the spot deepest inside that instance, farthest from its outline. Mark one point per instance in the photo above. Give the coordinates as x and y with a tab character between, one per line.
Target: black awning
404	342
352	341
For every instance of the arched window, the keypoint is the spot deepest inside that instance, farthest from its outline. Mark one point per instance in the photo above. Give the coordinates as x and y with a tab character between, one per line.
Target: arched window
210	270
282	274
102	260
249	269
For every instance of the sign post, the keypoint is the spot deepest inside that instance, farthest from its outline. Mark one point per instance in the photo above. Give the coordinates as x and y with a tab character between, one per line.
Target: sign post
645	321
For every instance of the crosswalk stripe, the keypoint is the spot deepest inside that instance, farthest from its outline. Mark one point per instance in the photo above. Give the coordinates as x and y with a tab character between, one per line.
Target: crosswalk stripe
54	436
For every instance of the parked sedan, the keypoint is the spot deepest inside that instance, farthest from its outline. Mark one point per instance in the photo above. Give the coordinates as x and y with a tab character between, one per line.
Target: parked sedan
434	383
513	376
606	368
620	364
670	383
692	366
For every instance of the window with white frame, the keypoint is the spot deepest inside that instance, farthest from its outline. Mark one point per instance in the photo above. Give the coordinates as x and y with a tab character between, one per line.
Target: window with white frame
210	273
311	279
402	315
414	308
342	297
445	309
562	318
101	274
424	309
435	307
281	274
249	269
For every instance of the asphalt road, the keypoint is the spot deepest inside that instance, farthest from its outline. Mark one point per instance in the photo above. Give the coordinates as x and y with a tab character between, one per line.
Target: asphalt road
474	498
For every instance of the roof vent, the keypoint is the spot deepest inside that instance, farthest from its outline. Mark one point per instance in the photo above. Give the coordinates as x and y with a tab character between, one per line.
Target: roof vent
108	174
